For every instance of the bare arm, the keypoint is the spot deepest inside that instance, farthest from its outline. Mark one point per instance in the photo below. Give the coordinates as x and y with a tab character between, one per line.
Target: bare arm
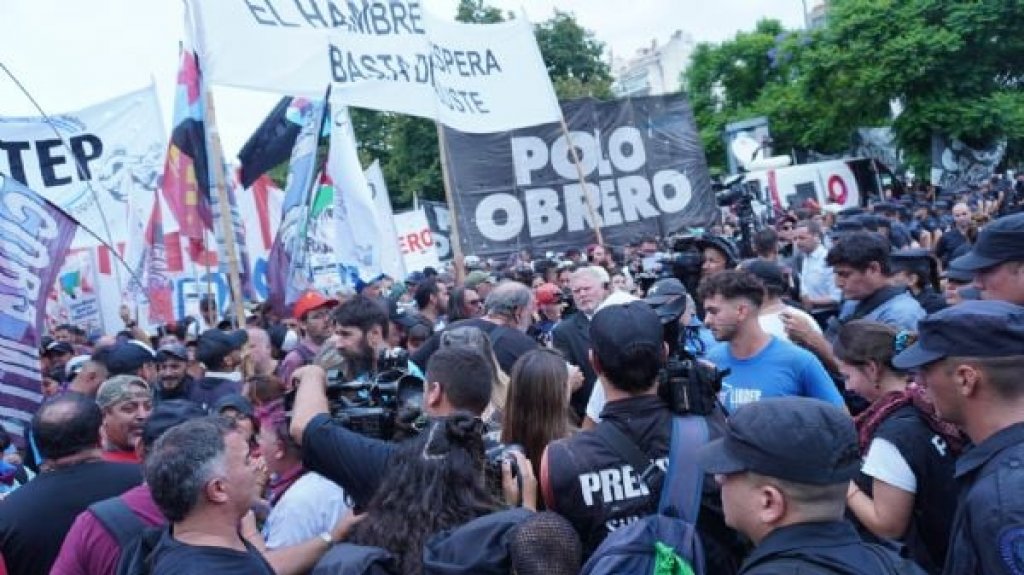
310	398
888	514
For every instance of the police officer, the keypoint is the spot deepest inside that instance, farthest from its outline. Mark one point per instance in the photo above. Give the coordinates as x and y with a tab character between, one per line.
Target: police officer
970	357
918	269
997	260
784	467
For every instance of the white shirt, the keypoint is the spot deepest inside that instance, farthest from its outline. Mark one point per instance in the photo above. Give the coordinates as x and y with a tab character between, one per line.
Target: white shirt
311	506
884	462
816	279
772	324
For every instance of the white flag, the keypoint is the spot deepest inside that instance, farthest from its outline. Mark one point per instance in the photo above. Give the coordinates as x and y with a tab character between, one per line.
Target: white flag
391	256
358	238
392	56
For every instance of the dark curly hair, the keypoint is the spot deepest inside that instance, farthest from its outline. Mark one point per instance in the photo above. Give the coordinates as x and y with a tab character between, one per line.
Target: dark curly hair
434	482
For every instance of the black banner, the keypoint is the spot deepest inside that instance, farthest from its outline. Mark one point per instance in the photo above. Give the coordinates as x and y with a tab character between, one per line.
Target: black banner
955	165
440	227
644	166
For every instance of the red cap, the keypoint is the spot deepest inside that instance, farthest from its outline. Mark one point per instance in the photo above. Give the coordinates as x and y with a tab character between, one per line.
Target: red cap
310	301
548	294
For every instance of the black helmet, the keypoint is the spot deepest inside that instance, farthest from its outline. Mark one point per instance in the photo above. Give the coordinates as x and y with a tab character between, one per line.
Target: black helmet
723	245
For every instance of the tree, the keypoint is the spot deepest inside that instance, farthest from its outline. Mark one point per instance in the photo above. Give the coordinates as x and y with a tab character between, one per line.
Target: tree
476	11
957	68
573	57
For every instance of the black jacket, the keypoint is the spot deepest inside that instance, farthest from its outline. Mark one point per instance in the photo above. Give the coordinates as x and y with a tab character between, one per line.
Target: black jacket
825	548
988	529
572	337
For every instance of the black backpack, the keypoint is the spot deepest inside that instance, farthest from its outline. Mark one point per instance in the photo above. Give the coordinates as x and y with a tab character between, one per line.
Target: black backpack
135	539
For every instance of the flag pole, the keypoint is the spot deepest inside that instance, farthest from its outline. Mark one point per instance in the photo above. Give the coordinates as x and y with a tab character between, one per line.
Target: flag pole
452	210
583	180
217	165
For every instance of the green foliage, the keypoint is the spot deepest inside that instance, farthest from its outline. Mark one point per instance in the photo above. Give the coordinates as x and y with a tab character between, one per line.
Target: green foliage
478	12
573	57
957	68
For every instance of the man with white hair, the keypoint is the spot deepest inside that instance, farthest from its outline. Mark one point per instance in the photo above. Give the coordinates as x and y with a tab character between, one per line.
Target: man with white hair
590	287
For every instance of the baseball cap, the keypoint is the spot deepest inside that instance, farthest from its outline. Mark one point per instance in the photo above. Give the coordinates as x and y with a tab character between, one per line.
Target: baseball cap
415	278
215	344
234	401
664	291
973	328
958	275
76	364
477	277
626	327
998	242
128	357
175	350
121	388
796	439
770	274
548	294
59	347
167	414
310	301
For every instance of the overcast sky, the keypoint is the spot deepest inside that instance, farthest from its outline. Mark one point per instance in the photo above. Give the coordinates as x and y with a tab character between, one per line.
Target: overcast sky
70	55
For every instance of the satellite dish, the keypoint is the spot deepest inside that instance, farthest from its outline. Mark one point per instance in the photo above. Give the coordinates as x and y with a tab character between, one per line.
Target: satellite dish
749	154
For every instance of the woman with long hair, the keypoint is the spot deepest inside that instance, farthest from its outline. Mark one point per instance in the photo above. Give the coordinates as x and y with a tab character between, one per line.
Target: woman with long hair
475	338
435	483
537	405
464	303
906	489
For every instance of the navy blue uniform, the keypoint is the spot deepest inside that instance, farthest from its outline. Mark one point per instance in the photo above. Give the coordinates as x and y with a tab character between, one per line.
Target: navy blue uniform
988	529
829	547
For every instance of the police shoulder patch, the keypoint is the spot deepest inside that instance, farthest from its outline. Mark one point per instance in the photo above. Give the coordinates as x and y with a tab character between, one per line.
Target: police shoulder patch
1011	549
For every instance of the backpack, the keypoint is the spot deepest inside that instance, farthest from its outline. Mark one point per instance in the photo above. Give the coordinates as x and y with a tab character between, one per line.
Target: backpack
665	543
135	539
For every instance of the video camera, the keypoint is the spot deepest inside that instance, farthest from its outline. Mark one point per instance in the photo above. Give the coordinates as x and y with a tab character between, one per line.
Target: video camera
683	262
388	405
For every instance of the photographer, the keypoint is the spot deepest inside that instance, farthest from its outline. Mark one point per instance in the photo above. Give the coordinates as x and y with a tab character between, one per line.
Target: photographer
584	479
458	379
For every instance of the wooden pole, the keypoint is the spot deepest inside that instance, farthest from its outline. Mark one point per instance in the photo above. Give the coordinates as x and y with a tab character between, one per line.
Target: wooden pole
217	165
453	215
583	181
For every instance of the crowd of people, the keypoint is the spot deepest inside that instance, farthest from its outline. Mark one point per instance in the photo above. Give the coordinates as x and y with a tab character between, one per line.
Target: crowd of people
866	413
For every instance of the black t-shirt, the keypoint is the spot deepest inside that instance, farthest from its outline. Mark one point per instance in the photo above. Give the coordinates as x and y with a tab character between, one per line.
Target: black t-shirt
355	462
35	518
508	343
172	557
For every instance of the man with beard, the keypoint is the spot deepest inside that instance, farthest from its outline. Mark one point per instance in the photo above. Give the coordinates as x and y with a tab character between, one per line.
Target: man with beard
174	382
432	303
221	352
126	401
760	365
360	334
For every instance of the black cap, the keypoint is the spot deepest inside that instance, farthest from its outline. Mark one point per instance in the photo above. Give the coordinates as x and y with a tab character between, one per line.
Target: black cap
128	357
850	212
985	328
770	274
59	347
621	327
234	401
998	242
918	261
721	244
175	350
215	344
958	275
664	291
846	226
796	439
166	415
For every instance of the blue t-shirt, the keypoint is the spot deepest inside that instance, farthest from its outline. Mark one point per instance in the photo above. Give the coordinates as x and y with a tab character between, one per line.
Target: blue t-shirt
780	369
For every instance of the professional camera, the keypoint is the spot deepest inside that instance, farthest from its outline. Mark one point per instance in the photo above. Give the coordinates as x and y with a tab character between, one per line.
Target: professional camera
683	262
388	405
746	199
688	385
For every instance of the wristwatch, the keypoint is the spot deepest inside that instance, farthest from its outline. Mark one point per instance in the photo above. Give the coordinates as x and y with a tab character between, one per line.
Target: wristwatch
327	538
